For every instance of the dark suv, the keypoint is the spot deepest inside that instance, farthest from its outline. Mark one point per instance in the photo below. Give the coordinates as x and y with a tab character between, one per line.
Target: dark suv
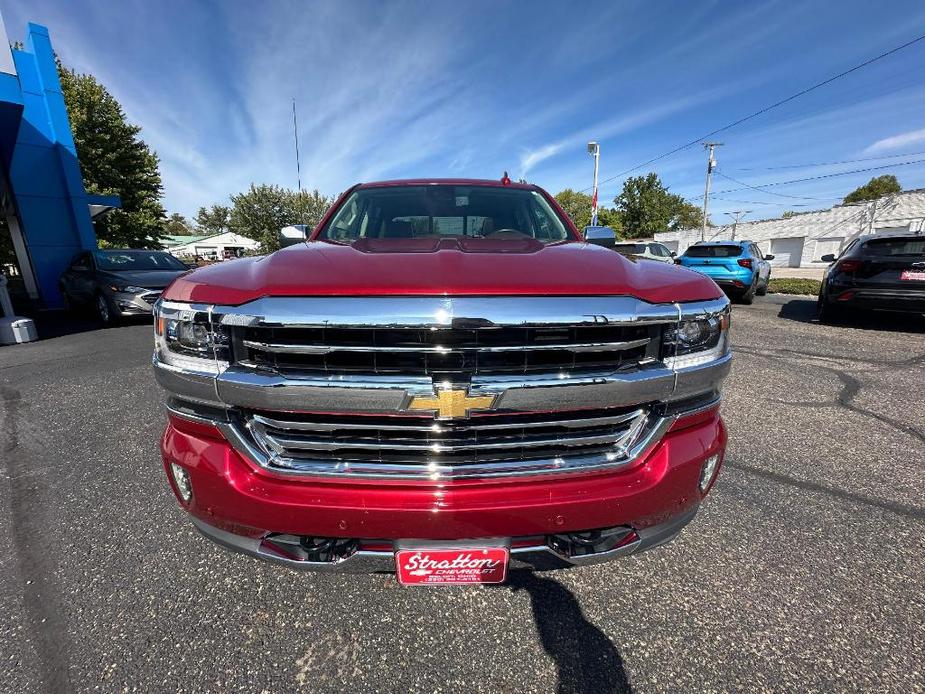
118	283
884	272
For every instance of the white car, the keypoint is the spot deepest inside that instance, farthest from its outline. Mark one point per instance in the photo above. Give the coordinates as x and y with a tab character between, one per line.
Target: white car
645	249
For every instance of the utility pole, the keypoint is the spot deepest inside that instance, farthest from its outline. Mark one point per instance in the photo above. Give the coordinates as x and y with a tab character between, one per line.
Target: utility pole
735	216
711	164
594	149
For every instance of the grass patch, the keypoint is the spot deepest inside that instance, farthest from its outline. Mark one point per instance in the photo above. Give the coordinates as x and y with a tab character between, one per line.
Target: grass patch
794	285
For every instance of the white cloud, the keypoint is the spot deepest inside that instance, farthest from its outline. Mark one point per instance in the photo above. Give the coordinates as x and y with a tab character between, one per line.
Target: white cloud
531	158
913	137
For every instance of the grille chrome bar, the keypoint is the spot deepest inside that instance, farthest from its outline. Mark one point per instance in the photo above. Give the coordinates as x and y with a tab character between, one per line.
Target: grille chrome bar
328	349
288	443
435	426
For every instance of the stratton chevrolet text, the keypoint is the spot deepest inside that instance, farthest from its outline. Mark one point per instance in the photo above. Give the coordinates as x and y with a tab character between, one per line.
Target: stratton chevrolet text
445	380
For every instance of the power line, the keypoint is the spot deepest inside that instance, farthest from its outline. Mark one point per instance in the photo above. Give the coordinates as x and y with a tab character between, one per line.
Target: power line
766	202
831	163
701	138
761	186
767	192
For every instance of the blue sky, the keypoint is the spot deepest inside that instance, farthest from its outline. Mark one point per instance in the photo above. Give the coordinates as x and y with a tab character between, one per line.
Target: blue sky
402	89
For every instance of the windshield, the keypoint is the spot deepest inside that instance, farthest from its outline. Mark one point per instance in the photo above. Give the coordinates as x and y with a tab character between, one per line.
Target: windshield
115	261
630	248
908	246
402	212
713	252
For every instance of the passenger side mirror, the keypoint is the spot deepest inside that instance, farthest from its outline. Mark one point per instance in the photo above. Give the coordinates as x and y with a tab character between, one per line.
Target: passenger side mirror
828	258
601	236
769	257
293	234
673	254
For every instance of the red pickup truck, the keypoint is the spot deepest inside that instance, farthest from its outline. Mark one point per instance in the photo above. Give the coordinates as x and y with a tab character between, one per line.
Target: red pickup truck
445	380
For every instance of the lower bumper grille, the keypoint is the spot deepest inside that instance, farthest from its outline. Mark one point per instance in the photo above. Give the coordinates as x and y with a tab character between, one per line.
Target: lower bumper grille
420	446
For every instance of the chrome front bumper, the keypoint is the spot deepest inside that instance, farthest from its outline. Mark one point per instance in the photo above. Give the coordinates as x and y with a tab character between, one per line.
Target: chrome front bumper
538	557
237	387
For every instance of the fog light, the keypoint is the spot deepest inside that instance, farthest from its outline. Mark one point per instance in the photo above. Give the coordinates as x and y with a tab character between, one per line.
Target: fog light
707	471
181	480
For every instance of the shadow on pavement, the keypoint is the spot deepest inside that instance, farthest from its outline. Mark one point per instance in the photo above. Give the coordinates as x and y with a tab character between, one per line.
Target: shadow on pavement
586	660
51	324
804	311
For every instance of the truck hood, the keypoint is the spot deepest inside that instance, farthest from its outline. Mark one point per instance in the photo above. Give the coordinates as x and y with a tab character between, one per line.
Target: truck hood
441	267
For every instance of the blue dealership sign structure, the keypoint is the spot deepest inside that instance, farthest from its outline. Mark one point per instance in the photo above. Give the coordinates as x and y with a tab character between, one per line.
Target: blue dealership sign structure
42	197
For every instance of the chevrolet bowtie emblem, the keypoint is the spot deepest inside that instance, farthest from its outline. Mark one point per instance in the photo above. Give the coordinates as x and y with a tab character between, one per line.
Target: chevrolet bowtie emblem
451	403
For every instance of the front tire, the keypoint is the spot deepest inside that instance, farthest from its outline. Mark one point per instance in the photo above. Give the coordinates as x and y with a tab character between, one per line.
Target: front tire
749	296
104	311
763	289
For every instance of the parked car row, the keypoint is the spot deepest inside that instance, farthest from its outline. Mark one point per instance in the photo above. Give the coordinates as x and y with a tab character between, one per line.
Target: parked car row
881	272
738	267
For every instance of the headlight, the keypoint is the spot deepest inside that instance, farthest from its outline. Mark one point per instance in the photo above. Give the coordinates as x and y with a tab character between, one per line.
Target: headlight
696	340
129	288
185	337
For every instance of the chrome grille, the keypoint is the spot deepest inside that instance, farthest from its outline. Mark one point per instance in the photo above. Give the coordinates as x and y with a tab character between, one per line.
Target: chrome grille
441	351
421	445
151	297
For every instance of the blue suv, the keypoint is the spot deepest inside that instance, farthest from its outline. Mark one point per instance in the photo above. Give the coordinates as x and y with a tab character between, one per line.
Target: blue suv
738	267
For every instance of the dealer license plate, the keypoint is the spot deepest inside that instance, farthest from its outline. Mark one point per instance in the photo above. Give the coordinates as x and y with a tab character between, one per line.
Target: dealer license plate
433	567
912	275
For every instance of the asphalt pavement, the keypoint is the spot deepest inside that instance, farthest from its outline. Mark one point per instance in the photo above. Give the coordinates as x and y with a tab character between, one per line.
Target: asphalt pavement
804	571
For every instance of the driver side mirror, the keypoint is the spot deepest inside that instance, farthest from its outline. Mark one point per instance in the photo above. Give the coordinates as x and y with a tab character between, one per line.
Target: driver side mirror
601	236
293	234
672	254
828	258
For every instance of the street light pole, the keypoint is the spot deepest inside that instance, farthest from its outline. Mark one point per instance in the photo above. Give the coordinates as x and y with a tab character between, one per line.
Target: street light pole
711	164
735	216
594	150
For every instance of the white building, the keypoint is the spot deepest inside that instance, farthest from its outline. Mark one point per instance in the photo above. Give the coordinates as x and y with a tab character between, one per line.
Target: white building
800	240
215	247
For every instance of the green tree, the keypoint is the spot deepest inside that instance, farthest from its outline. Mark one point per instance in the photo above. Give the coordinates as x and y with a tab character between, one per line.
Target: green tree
308	207
114	161
260	212
647	207
213	220
578	207
788	214
876	187
178	225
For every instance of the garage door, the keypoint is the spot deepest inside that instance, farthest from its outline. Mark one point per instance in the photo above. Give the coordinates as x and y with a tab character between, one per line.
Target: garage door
670	245
832	245
787	252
